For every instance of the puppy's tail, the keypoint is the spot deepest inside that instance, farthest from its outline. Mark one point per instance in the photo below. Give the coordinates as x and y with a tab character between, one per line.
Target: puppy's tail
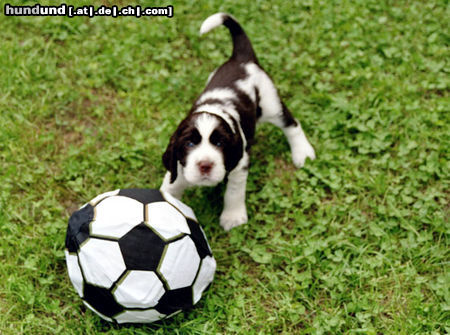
242	48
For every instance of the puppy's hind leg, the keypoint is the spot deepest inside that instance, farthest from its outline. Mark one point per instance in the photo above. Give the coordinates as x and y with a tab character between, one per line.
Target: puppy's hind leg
274	111
292	129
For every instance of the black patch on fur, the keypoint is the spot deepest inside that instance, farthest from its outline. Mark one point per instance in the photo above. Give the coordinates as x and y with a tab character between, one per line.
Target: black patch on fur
231	143
242	48
258	108
288	119
247	113
177	149
208	102
226	75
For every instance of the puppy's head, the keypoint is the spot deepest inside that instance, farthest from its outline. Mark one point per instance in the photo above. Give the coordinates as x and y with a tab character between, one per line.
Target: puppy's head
205	147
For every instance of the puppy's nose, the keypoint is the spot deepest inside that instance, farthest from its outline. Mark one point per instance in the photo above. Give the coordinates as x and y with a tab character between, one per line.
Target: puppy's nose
205	167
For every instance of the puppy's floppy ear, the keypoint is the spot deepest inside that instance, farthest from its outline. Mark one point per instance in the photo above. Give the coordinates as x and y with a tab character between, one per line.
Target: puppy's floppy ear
170	160
233	151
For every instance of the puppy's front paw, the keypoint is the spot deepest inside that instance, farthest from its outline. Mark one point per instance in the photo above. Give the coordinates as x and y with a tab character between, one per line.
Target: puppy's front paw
233	218
299	155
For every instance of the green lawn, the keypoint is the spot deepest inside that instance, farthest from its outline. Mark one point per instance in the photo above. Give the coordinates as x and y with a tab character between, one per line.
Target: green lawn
356	242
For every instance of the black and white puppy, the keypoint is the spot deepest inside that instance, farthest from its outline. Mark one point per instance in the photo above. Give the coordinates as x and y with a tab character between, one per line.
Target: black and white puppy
213	141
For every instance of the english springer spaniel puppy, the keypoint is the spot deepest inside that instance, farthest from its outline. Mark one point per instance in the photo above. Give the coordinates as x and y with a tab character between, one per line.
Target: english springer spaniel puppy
213	141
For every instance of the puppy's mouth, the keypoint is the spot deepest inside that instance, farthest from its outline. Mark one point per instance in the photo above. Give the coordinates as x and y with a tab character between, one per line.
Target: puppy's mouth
203	180
206	181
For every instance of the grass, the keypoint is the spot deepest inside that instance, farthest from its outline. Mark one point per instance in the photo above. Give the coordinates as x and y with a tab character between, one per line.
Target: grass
356	242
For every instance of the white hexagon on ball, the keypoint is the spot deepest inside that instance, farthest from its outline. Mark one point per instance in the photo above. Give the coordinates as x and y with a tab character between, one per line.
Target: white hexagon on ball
74	272
204	278
102	196
101	261
139	289
115	216
180	263
146	316
166	220
185	209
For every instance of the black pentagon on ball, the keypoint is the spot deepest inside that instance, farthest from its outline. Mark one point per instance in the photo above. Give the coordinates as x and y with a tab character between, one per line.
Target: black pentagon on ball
141	248
144	195
174	300
78	228
102	300
199	239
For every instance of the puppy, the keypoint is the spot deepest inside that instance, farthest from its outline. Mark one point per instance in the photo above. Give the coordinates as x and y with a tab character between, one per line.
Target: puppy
214	140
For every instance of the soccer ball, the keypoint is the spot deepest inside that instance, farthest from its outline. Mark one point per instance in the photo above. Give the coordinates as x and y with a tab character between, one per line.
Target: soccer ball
137	255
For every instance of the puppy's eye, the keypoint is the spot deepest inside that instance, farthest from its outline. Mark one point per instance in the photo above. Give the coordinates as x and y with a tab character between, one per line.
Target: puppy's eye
218	144
189	144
